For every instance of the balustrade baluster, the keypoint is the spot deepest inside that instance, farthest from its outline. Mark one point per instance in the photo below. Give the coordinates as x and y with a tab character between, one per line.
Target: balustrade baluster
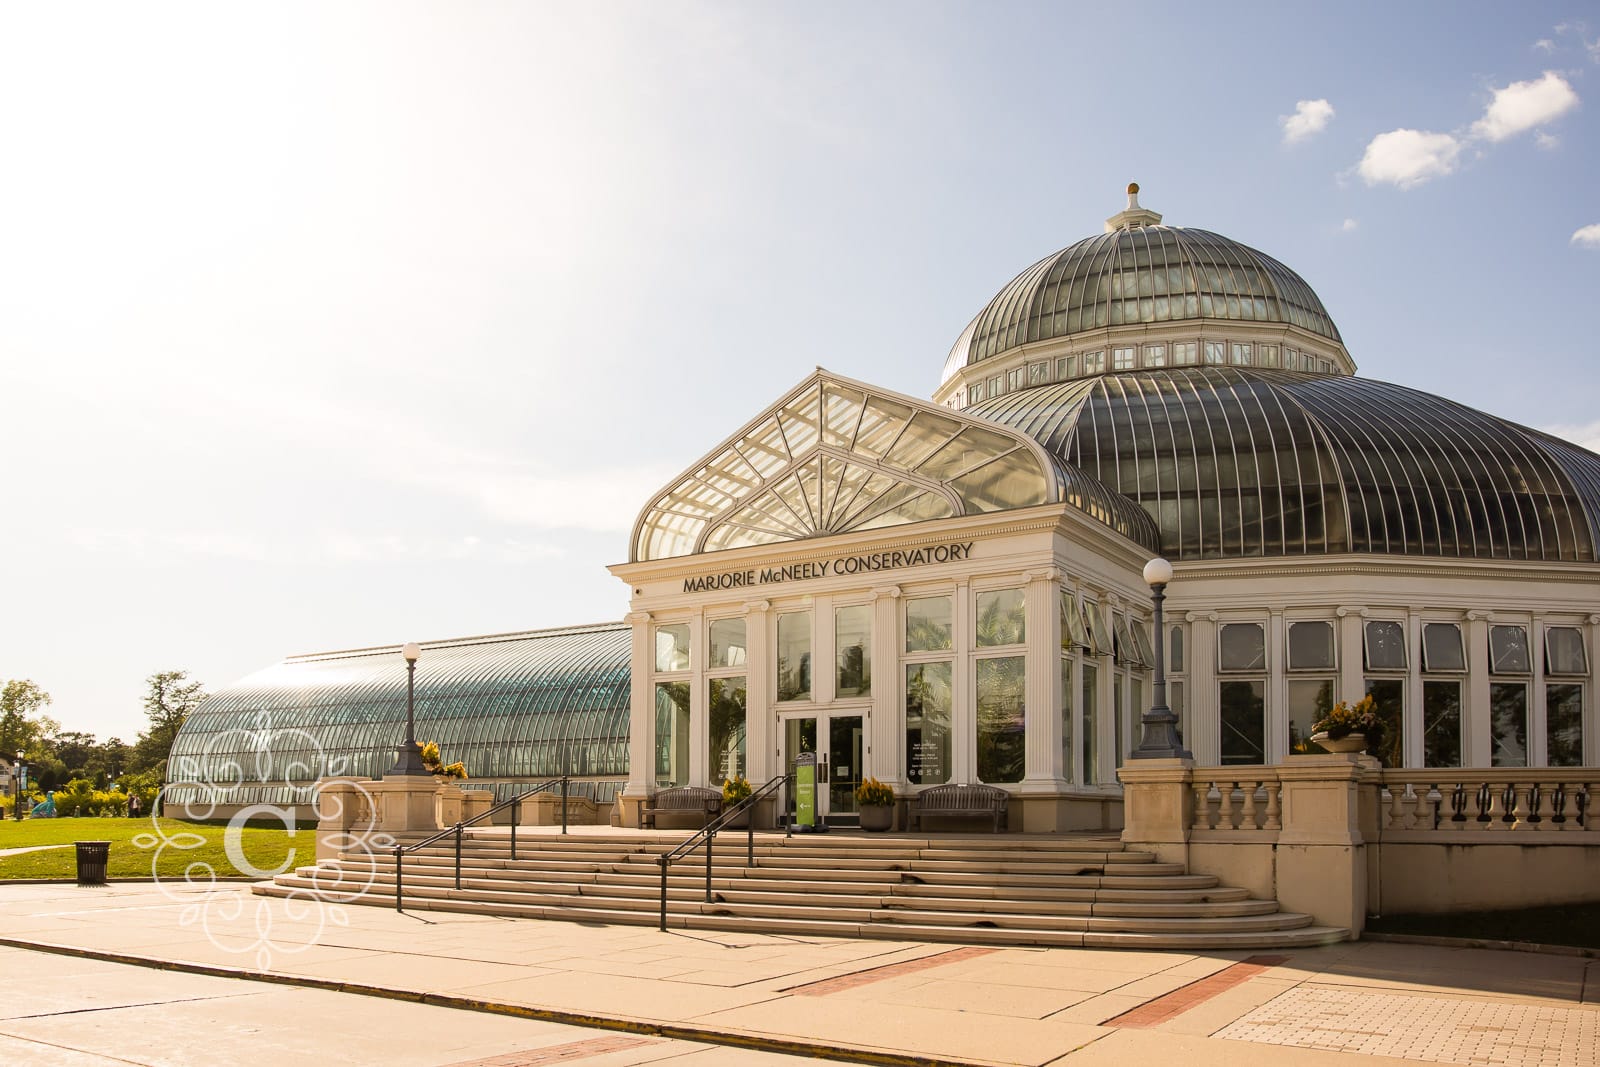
1517	800
1274	820
1202	806
1247	814
1225	804
1493	814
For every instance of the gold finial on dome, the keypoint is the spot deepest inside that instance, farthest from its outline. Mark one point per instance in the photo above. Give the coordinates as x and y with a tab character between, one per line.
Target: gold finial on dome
1133	216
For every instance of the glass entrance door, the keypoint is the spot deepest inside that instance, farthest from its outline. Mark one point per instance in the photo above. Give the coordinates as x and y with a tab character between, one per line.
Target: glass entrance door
836	740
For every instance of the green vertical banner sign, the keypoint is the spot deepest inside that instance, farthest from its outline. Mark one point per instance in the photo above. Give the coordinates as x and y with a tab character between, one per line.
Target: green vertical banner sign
805	789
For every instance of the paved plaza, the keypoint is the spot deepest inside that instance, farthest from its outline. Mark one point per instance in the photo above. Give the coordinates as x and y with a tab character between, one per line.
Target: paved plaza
151	974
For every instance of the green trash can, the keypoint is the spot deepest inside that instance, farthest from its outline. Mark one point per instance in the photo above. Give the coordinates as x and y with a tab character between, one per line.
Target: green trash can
92	859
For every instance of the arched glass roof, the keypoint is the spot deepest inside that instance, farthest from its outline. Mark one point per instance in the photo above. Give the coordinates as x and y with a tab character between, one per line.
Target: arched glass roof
1147	274
1237	462
525	705
835	456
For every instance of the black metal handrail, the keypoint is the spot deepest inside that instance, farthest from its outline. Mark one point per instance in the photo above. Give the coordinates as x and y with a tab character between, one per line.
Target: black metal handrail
515	804
710	830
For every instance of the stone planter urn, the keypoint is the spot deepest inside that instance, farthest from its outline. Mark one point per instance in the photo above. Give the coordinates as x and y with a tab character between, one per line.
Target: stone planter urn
1347	743
877	817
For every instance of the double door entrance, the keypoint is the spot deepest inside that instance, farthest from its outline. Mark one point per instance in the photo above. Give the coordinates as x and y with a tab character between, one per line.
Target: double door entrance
836	741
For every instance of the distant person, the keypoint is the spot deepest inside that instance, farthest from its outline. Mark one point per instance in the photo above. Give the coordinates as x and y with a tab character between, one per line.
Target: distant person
133	805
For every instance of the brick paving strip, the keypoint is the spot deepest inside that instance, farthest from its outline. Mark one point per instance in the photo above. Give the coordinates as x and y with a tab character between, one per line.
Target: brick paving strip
857	979
574	1050
1175	1003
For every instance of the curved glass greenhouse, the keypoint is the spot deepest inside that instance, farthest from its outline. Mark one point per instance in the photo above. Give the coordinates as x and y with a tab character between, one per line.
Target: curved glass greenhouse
514	708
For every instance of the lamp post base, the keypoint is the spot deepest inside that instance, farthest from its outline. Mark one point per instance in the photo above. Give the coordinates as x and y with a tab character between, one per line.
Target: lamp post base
1160	739
410	762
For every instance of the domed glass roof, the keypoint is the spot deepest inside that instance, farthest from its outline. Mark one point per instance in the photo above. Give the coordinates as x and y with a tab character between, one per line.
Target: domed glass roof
1239	462
1144	274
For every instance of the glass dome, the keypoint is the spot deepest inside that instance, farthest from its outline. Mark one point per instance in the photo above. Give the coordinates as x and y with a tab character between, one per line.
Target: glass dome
1146	274
1239	462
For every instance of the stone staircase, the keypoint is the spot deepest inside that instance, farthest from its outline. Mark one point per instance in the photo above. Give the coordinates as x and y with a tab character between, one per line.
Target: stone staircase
992	890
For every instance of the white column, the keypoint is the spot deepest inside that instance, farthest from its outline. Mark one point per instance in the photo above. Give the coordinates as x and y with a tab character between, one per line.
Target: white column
1412	753
1477	740
886	726
1106	698
963	716
759	745
642	709
1042	692
1591	725
824	663
1538	746
1276	742
1352	673
1204	711
699	713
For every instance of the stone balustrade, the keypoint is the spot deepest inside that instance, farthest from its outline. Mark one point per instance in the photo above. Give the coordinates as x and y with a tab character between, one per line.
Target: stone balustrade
1237	799
1521	800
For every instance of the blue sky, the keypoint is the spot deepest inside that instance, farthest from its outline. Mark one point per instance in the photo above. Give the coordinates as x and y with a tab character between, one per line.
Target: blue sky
326	326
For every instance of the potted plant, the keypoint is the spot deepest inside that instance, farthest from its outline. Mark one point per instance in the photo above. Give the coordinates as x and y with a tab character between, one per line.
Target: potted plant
876	804
734	791
1347	728
438	768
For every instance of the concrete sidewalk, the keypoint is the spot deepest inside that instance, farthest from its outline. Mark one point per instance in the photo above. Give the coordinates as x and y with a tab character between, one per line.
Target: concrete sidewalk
860	1001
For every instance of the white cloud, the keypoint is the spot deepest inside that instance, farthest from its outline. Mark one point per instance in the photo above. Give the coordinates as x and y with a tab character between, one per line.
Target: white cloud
1544	44
1546	141
1522	106
1587	236
1348	225
1587	435
1310	117
1408	158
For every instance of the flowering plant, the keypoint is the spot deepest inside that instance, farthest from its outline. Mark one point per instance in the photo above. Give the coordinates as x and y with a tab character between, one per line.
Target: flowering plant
735	789
1343	720
873	793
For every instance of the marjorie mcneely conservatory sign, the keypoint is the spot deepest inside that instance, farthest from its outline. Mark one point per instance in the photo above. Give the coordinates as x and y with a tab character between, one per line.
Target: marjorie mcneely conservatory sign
822	568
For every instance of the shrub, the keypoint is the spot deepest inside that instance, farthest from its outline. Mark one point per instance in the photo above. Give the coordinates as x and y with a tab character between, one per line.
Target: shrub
873	793
735	789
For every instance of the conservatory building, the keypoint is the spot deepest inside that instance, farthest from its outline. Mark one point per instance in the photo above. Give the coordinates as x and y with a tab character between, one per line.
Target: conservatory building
950	590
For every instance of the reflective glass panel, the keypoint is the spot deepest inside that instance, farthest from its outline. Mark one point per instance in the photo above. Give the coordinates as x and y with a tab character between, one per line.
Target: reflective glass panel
727	643
672	647
928	624
1385	647
852	633
1100	642
1442	651
1069	763
1508	650
1389	696
927	723
726	713
1563	709
1244	721
1073	634
1242	646
1508	724
1002	618
672	733
1090	691
1175	651
1441	724
1309	700
794	656
1310	646
1563	651
1001	718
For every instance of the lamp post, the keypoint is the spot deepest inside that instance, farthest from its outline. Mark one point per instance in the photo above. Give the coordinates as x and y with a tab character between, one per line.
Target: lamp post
1159	737
20	772
410	761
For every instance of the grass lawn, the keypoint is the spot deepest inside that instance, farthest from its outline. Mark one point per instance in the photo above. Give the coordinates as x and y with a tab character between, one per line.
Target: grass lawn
264	847
1577	925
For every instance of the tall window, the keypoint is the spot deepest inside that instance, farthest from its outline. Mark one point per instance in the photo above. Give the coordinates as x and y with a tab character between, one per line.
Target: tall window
1091	723
1565	662
1000	622
794	656
1510	668
1176	685
1073	639
1442	653
726	712
672	733
672	647
928	693
1384	653
1242	691
1310	690
852	644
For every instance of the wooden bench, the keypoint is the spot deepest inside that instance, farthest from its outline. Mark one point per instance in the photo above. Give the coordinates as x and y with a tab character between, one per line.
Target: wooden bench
973	801
684	807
